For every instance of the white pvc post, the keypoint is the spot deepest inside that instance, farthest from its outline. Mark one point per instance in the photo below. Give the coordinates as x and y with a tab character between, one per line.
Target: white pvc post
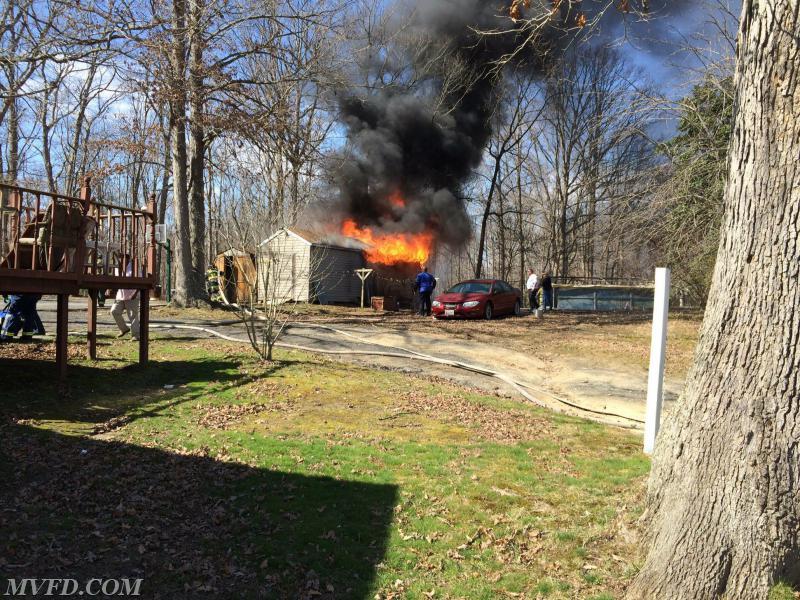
658	343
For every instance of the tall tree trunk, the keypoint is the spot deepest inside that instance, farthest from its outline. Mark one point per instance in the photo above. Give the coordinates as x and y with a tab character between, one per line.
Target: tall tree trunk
45	125
74	170
563	262
12	129
180	210
591	217
197	151
48	163
724	503
161	204
487	211
520	226
295	191
184	293
501	233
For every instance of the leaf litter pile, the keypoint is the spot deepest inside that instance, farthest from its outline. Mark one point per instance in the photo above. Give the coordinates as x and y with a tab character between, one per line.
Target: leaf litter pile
40	351
488	422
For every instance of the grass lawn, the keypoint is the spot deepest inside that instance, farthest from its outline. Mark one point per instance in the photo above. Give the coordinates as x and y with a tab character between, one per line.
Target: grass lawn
307	478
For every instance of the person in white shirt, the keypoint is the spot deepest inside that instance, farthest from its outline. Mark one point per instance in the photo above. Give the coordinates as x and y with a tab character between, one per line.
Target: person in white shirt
127	301
533	289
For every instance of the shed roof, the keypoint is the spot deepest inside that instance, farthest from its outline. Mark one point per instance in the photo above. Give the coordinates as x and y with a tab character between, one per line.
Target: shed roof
313	237
232	252
318	238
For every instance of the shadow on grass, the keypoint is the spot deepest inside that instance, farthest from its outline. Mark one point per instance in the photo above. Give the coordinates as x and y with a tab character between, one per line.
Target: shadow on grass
95	394
187	524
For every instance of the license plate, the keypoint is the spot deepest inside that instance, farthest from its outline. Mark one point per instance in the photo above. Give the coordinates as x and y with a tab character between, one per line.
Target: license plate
449	313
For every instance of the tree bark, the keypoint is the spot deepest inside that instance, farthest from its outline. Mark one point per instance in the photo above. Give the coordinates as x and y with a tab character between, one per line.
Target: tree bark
46	141
723	513
520	225
487	211
74	155
163	193
197	152
12	128
177	126
501	235
10	102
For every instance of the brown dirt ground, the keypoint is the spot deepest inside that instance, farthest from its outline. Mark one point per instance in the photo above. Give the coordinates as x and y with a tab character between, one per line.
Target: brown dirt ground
597	360
602	339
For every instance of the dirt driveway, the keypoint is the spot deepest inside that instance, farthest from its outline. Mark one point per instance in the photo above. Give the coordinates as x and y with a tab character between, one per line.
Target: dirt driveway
597	361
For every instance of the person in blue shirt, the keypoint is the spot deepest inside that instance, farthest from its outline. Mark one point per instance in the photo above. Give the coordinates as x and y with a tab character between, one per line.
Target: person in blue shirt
425	284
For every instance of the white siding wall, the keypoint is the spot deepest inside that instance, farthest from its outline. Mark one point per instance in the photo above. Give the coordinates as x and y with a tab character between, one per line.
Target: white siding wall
291	267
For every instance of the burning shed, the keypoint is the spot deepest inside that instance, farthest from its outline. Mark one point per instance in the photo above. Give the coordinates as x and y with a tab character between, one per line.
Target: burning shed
307	266
395	257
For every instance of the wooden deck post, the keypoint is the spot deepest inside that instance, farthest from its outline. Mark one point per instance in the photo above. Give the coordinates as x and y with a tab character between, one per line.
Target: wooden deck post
122	230
144	325
91	325
86	193
80	251
62	331
151	242
144	295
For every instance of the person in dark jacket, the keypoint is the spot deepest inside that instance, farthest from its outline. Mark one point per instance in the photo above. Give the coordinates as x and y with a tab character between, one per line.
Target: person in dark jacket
425	285
547	291
21	314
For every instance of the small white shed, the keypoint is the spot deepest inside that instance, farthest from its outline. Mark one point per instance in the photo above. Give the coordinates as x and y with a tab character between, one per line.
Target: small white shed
306	266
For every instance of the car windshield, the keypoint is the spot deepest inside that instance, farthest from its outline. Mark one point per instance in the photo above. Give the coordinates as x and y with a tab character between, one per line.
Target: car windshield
470	287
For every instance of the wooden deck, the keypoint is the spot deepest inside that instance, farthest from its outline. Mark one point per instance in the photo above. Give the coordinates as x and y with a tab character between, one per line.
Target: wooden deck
60	245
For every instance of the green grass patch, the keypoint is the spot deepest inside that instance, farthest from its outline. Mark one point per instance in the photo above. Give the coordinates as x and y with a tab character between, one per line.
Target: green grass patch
208	470
782	591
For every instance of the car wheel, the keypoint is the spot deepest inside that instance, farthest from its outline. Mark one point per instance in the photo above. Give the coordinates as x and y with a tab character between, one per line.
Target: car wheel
488	312
517	308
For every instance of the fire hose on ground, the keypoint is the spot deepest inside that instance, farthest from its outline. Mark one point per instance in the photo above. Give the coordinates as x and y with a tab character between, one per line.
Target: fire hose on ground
405	353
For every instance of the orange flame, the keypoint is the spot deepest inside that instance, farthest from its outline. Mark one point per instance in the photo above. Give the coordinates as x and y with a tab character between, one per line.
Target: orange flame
389	249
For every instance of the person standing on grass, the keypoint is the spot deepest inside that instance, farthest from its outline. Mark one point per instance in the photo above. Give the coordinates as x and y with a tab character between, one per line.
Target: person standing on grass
533	289
547	291
425	285
127	301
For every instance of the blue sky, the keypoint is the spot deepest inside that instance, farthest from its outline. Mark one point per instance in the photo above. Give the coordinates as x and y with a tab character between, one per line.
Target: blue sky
659	46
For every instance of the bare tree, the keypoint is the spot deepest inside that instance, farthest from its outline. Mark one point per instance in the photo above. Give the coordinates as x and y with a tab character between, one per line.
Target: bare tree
516	126
267	293
590	151
26	32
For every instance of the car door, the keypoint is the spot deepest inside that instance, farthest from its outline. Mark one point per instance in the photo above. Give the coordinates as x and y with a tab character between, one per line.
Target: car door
511	296
500	297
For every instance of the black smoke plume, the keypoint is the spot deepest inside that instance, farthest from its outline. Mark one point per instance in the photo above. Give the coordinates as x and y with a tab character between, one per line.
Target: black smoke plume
402	144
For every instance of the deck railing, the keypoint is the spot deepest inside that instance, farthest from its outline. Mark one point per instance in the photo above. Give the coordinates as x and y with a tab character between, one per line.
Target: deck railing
92	240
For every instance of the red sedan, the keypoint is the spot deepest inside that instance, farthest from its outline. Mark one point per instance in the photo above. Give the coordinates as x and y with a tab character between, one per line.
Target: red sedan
478	298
